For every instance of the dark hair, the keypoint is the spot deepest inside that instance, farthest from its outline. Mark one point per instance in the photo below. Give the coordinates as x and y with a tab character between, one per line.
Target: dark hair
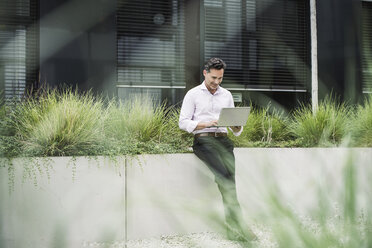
214	63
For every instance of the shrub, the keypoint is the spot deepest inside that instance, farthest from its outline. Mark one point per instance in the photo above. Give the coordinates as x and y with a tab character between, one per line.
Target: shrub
328	126
138	126
362	124
58	124
173	135
2	116
137	118
263	126
66	123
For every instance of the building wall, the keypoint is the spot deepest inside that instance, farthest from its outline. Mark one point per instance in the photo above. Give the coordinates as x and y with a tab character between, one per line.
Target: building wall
264	43
78	44
339	49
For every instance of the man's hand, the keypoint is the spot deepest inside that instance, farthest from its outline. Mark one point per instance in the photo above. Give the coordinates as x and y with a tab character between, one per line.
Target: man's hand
236	128
212	123
202	125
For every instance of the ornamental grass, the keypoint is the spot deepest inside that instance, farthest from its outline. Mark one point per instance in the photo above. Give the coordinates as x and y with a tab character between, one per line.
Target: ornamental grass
69	123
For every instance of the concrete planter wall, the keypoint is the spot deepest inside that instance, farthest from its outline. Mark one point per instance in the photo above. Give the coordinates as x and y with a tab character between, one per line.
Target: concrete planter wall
158	194
70	208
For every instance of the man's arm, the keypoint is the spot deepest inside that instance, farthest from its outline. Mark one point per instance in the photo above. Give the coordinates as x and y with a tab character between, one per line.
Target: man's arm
187	111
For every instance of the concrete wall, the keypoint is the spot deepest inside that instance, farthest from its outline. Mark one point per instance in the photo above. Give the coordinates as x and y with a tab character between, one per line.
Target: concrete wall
162	194
297	175
170	194
75	205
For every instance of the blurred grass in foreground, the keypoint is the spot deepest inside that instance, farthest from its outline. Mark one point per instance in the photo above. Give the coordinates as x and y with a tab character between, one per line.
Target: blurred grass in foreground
342	222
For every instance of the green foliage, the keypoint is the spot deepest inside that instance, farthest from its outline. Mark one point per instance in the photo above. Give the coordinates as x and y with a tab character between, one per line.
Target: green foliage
173	135
362	124
2	111
136	118
66	123
137	126
2	115
326	127
264	127
58	124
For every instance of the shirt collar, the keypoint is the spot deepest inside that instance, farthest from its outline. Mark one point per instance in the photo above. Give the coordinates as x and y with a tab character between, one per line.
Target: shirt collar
203	87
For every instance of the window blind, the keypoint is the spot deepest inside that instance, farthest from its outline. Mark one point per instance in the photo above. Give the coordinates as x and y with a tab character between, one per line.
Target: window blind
367	46
150	43
19	46
265	43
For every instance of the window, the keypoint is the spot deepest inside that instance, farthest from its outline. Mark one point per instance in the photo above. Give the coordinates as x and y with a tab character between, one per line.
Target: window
265	43
367	46
150	45
19	50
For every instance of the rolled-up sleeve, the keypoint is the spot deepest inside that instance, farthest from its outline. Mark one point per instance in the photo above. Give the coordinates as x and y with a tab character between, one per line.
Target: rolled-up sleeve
186	122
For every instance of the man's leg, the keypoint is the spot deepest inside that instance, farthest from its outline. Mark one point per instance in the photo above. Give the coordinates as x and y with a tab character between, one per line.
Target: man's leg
217	153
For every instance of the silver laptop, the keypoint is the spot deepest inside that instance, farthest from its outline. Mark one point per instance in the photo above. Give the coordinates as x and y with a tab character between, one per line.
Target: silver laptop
233	116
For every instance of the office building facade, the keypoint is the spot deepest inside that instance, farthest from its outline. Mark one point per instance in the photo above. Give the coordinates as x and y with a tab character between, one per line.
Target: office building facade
158	47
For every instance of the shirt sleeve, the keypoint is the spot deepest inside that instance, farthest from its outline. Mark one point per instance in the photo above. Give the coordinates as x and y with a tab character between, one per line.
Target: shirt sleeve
231	105
186	122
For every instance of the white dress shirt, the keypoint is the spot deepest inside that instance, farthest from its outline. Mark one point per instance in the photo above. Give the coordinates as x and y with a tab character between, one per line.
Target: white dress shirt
199	105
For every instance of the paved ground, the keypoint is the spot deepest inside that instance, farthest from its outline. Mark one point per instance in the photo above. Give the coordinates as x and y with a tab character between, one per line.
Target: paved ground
194	240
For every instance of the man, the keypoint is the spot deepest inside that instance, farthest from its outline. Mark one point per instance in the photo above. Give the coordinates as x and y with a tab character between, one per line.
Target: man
200	110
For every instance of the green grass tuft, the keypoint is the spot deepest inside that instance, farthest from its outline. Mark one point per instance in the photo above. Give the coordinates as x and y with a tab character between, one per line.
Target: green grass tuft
362	124
264	127
327	127
67	123
138	126
59	124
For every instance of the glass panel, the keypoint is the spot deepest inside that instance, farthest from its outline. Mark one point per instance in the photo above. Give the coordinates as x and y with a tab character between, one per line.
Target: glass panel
13	62
367	46
150	43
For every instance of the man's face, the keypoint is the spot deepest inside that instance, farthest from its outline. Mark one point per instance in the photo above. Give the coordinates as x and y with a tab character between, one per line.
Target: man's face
213	79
